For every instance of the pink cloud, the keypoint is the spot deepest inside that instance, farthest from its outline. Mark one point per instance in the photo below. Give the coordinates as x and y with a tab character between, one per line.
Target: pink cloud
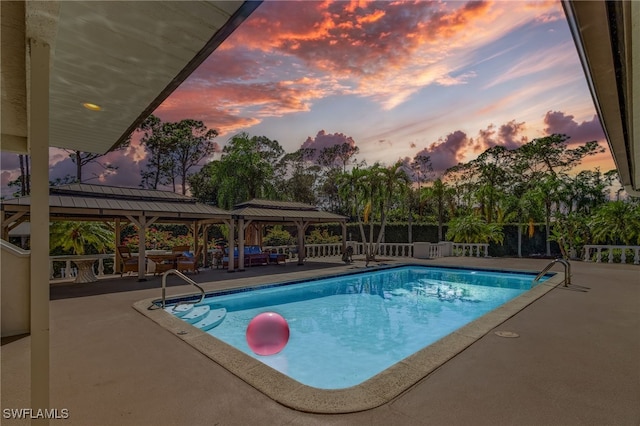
448	151
508	135
324	140
559	122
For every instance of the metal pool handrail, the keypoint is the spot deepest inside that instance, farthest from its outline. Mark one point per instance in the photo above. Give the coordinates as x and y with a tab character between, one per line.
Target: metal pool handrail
567	271
185	278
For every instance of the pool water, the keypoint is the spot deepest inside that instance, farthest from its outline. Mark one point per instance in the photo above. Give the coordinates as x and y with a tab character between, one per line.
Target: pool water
346	329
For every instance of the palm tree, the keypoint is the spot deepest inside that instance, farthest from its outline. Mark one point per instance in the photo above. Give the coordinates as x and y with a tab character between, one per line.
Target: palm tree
474	229
395	183
442	195
616	221
78	237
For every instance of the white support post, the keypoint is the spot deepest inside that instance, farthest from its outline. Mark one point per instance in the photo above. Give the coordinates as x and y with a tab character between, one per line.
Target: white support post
39	57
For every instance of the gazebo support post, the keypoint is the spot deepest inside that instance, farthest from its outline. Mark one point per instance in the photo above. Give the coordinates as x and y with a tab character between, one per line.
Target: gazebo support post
241	229
205	245
142	223
301	225
117	267
232	231
344	236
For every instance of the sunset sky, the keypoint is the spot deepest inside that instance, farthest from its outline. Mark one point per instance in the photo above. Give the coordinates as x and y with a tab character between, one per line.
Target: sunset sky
445	79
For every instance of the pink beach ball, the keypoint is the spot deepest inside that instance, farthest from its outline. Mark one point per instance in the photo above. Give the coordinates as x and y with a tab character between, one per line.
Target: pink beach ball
267	333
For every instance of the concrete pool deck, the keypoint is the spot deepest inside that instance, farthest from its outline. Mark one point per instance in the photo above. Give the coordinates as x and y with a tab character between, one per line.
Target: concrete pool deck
576	360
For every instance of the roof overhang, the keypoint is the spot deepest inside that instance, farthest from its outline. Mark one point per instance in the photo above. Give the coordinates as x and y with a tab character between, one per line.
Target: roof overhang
126	57
607	36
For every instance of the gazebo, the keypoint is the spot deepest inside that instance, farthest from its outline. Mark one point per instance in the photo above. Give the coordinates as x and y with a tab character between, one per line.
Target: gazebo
258	213
142	207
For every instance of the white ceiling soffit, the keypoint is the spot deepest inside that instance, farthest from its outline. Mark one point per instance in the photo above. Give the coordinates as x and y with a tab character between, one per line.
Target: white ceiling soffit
126	57
605	34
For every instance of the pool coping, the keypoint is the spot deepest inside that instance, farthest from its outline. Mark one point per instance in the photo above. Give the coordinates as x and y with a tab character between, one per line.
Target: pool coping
369	394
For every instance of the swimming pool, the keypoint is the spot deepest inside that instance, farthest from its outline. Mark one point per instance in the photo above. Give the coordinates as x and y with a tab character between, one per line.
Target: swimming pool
351	331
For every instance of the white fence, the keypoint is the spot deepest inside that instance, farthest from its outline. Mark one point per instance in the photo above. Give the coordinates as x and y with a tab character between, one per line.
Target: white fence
611	254
470	250
63	266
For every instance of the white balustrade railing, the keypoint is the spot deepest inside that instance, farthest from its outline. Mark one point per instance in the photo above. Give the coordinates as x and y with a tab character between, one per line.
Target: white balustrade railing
64	267
335	249
471	249
396	249
611	253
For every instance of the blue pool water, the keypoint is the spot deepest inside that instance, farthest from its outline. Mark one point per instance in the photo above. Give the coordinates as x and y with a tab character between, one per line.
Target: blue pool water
346	329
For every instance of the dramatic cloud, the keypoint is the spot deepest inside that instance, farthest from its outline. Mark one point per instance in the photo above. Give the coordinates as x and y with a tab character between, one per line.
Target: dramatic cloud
447	152
508	135
395	75
559	122
324	140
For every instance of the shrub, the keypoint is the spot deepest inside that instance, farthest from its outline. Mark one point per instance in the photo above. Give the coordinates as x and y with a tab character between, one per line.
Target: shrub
277	237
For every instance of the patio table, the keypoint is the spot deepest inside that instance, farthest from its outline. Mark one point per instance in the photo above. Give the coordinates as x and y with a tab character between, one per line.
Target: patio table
85	270
163	261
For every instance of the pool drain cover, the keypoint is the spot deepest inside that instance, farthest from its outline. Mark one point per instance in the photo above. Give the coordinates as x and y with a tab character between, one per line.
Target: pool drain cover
507	334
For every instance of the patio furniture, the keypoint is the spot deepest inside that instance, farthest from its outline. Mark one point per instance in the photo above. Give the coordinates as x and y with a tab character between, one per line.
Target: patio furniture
164	261
253	255
277	258
189	263
129	263
180	249
85	270
217	258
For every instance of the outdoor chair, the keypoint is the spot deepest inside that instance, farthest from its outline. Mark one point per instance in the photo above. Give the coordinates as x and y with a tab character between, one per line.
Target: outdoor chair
129	263
189	262
276	258
180	249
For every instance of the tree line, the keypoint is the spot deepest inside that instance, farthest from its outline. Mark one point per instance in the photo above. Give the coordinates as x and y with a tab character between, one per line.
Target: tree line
531	184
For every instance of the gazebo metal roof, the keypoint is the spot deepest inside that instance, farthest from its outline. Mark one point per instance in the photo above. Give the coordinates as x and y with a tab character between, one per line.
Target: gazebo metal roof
283	211
78	201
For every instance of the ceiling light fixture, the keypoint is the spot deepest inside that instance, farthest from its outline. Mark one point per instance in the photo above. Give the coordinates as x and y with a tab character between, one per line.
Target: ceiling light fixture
92	107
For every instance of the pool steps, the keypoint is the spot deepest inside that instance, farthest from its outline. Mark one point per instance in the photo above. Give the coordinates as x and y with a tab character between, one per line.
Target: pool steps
213	318
202	317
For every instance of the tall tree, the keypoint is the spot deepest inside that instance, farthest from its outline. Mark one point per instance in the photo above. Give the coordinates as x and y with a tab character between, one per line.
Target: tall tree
540	162
246	169
422	168
81	159
155	139
299	177
190	143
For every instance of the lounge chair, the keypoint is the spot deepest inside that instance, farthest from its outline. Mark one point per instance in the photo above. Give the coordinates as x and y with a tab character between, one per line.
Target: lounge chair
255	256
129	263
189	262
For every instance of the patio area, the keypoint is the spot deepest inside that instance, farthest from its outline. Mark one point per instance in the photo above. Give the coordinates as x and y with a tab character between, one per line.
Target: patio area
575	362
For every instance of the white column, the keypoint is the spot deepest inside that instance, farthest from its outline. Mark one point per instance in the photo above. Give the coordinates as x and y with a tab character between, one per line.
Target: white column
39	150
